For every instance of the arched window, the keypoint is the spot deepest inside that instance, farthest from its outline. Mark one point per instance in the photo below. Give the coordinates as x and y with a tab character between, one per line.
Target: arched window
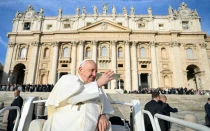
46	53
163	53
104	51
66	52
120	52
22	53
88	54
189	53
143	52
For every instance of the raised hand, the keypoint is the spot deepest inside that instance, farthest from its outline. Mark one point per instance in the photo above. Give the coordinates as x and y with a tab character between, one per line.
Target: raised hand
105	78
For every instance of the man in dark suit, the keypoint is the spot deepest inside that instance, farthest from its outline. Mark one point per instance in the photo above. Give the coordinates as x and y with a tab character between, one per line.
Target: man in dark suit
166	110
207	109
18	101
153	107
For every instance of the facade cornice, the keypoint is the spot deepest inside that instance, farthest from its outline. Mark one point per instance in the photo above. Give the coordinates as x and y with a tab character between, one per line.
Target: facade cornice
207	38
144	32
23	33
193	33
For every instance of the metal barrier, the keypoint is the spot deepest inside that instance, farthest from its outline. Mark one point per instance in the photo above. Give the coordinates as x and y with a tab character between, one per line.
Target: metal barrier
151	120
137	117
39	101
180	122
18	114
121	103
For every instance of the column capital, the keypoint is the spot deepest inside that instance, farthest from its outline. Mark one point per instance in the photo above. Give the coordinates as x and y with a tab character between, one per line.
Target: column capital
175	43
81	42
134	43
56	43
94	42
113	42
74	43
36	43
203	45
11	44
127	42
153	43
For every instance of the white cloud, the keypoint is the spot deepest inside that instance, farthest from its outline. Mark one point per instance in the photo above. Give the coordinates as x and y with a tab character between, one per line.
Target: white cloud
2	42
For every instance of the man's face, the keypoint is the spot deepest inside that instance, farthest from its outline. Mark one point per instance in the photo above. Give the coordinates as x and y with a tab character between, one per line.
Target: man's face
88	72
16	93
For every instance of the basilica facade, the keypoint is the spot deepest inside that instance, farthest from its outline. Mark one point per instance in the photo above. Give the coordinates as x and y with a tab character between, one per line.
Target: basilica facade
148	51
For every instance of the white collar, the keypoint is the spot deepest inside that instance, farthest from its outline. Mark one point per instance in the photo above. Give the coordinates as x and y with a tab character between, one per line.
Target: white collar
80	78
16	97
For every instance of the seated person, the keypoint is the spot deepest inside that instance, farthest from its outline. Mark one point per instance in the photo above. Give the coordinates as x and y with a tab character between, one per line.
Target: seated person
77	103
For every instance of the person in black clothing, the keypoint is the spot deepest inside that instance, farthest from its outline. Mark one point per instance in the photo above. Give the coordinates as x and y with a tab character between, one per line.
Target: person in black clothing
153	107
166	110
18	101
207	110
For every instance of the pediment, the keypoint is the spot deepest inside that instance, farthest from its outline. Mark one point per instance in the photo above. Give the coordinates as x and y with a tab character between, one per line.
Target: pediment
104	26
166	71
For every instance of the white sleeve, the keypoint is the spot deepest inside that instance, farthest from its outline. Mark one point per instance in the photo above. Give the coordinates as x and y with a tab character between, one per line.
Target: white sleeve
90	91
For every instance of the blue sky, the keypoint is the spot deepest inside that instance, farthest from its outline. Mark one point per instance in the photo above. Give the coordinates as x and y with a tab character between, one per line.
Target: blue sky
8	9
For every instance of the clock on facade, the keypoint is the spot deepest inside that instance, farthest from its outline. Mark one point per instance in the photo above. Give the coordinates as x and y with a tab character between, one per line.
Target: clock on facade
29	14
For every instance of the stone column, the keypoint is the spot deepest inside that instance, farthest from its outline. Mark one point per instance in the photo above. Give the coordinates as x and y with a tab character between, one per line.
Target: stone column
25	76
109	85
139	79
185	79
154	65
54	63
33	63
119	84
149	80
81	52
94	51
58	76
134	67
127	66
73	58
205	66
114	63
177	65
8	61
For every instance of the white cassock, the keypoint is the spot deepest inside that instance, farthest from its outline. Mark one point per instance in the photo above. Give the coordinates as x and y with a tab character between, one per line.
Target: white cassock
84	104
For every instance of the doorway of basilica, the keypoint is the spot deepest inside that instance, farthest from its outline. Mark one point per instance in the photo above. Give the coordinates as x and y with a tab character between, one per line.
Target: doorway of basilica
18	74
193	77
144	80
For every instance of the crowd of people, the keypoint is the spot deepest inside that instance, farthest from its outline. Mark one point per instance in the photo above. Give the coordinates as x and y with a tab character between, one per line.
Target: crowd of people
49	87
181	91
27	87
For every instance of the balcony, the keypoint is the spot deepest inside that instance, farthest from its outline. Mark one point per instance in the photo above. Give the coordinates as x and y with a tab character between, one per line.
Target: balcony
145	60
64	59
164	59
21	59
104	59
192	60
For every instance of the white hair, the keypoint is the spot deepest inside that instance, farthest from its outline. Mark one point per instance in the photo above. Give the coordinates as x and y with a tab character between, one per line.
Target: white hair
84	62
